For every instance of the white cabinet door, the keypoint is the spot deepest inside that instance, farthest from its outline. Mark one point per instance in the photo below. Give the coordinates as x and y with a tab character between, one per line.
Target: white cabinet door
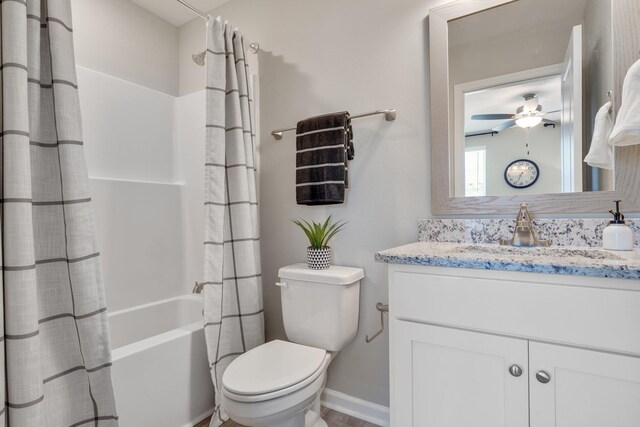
585	388
443	377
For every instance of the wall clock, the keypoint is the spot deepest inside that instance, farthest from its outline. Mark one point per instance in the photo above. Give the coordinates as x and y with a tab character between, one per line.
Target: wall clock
521	173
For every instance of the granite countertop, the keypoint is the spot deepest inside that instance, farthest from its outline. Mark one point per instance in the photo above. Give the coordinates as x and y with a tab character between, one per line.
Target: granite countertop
570	260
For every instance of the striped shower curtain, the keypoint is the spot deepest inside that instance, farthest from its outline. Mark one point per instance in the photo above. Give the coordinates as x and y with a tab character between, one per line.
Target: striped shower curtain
55	356
233	287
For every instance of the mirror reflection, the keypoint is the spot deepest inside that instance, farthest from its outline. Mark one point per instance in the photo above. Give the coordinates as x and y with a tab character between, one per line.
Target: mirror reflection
525	94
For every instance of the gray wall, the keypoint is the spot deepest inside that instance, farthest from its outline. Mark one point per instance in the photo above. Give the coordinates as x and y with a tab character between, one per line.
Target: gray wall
120	38
323	56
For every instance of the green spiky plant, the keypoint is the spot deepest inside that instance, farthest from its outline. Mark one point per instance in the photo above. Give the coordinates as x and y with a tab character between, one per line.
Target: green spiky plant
319	234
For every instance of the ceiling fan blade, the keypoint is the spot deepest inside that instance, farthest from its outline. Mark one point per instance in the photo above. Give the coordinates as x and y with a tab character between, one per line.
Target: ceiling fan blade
550	112
551	122
492	116
503	126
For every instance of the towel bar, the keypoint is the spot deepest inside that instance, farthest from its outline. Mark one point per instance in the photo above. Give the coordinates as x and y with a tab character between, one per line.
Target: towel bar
389	115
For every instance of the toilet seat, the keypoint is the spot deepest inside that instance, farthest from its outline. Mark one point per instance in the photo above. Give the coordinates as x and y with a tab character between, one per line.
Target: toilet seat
272	370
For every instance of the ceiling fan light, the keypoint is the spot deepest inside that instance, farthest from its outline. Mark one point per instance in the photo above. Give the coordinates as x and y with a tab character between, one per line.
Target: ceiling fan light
528	121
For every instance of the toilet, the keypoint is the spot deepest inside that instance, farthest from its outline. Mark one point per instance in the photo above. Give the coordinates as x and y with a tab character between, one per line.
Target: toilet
279	383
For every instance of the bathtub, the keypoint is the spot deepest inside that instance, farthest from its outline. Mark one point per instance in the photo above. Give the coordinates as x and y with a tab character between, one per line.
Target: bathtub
160	369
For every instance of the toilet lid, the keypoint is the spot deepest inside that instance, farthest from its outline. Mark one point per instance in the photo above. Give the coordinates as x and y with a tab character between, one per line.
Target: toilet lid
271	367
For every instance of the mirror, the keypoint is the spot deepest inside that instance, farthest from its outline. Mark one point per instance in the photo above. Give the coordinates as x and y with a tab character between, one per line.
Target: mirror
525	93
515	88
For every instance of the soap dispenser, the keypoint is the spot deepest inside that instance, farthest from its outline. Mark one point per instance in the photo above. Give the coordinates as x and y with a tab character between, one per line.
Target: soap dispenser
617	236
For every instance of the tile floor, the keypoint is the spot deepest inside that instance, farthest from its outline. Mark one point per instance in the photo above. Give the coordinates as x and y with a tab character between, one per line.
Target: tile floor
333	419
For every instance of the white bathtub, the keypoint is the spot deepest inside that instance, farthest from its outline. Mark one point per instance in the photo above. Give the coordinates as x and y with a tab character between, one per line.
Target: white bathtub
160	369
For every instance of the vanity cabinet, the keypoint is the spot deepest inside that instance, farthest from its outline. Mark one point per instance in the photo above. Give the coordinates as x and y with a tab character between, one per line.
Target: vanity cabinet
508	349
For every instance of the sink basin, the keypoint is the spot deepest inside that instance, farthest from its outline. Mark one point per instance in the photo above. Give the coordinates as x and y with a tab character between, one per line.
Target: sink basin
593	254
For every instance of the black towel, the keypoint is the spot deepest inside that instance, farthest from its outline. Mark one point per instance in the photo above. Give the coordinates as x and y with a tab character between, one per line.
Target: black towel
324	147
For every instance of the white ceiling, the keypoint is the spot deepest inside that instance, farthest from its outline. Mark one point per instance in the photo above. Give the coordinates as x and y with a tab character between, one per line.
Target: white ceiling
507	98
175	13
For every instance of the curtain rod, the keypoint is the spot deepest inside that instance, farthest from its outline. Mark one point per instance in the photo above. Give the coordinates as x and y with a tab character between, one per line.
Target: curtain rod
198	12
253	46
389	115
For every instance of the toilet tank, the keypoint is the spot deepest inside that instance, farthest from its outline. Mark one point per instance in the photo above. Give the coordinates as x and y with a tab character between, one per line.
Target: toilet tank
320	307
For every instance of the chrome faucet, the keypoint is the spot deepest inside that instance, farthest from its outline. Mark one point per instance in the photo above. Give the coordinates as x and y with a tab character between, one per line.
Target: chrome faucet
198	288
523	234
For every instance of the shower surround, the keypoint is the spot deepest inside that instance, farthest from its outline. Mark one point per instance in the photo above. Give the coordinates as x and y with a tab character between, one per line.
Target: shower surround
149	223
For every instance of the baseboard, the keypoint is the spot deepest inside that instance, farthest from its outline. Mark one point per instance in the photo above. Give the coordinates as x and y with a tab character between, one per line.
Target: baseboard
200	418
362	409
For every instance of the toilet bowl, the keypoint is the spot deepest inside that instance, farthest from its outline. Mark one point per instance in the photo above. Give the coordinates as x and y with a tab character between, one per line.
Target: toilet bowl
279	383
275	384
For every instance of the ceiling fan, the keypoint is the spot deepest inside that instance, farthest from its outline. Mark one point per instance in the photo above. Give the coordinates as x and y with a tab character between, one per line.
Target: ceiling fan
527	115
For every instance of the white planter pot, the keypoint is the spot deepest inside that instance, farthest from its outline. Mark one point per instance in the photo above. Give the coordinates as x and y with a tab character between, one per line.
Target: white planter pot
319	259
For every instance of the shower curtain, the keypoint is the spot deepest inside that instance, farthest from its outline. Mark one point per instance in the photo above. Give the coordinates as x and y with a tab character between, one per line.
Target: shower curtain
233	288
55	357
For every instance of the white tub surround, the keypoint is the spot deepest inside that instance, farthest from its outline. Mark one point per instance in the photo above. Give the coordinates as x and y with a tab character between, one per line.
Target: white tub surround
160	369
125	126
567	260
511	349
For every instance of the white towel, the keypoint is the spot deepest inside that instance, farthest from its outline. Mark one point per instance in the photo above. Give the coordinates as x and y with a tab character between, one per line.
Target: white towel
600	151
627	128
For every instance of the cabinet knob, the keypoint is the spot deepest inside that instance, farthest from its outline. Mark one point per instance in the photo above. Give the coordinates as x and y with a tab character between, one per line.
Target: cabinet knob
515	370
543	377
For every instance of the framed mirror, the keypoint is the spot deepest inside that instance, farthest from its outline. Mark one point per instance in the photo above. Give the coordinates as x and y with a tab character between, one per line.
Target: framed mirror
515	86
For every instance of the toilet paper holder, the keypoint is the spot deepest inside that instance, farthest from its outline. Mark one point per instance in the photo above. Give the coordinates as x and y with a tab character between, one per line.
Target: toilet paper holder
382	308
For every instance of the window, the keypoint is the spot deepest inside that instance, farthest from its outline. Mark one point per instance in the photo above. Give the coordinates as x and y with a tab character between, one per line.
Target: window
475	171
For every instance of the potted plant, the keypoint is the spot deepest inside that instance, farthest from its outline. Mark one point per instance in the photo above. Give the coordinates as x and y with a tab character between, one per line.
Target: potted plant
319	235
